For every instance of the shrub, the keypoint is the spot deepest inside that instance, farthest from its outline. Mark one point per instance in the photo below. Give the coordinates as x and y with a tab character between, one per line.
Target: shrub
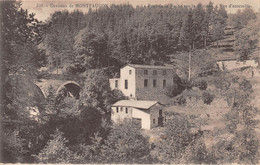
173	91
207	97
202	85
125	144
179	100
56	150
179	144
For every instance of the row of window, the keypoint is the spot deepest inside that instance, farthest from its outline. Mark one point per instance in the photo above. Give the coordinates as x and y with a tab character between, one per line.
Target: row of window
145	83
146	72
121	109
154	83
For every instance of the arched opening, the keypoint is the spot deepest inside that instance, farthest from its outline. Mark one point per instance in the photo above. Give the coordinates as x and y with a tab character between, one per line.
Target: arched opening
69	89
40	91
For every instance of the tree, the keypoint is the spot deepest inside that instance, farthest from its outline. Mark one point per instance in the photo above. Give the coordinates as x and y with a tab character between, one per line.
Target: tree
218	20
179	141
125	144
242	18
14	150
61	28
55	150
186	39
243	144
247	40
20	33
199	18
97	93
206	23
91	48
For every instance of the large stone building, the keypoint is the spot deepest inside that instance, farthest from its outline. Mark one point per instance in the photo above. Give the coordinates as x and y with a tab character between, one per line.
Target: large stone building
147	114
143	81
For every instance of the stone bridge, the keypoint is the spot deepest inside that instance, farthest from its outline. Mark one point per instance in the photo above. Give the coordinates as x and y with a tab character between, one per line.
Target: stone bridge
58	82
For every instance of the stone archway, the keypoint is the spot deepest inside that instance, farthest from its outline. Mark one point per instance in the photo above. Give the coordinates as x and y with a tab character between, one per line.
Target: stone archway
71	87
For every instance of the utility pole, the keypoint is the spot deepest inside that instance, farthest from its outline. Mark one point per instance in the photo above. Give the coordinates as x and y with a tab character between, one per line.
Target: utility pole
189	62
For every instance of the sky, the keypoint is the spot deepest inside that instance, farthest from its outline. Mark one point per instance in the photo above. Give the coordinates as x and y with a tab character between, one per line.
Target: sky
44	8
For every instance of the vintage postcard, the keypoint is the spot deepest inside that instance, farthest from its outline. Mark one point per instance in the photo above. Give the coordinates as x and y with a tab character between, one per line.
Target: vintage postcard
130	82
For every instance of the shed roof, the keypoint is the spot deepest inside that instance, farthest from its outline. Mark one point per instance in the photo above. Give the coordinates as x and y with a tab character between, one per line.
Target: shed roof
143	104
148	66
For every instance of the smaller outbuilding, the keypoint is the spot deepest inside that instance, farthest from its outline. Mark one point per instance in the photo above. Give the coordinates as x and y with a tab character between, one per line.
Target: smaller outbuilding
148	114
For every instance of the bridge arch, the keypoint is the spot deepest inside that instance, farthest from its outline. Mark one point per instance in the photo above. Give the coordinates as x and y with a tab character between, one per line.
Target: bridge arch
41	91
72	87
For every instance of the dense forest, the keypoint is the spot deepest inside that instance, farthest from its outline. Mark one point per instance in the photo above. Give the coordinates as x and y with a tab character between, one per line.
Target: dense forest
95	45
123	34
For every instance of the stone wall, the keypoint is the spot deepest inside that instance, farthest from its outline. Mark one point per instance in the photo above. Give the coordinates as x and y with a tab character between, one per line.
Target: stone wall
150	92
154	114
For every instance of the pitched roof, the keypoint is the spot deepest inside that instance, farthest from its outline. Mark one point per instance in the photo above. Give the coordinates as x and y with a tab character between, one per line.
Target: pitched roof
149	66
143	104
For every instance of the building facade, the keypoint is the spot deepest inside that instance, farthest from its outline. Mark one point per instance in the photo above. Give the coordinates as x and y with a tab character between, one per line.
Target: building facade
148	114
143	81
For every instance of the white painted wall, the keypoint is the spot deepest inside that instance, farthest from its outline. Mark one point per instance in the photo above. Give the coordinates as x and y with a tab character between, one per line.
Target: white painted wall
116	117
124	75
112	83
144	115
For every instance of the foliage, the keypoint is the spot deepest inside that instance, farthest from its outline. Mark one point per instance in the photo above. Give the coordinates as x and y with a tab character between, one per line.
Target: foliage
201	84
55	150
122	34
178	142
241	18
179	100
202	63
243	144
21	58
125	144
207	97
97	93
14	150
218	19
247	39
91	49
76	122
58	41
173	91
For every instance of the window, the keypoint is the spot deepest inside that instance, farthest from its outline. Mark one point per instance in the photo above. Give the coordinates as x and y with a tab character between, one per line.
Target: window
154	83
146	72
130	72
164	83
116	83
121	109
126	84
117	110
126	110
145	82
160	112
164	72
154	72
153	121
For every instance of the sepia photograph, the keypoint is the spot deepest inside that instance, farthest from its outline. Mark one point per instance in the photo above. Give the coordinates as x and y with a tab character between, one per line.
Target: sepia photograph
129	82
